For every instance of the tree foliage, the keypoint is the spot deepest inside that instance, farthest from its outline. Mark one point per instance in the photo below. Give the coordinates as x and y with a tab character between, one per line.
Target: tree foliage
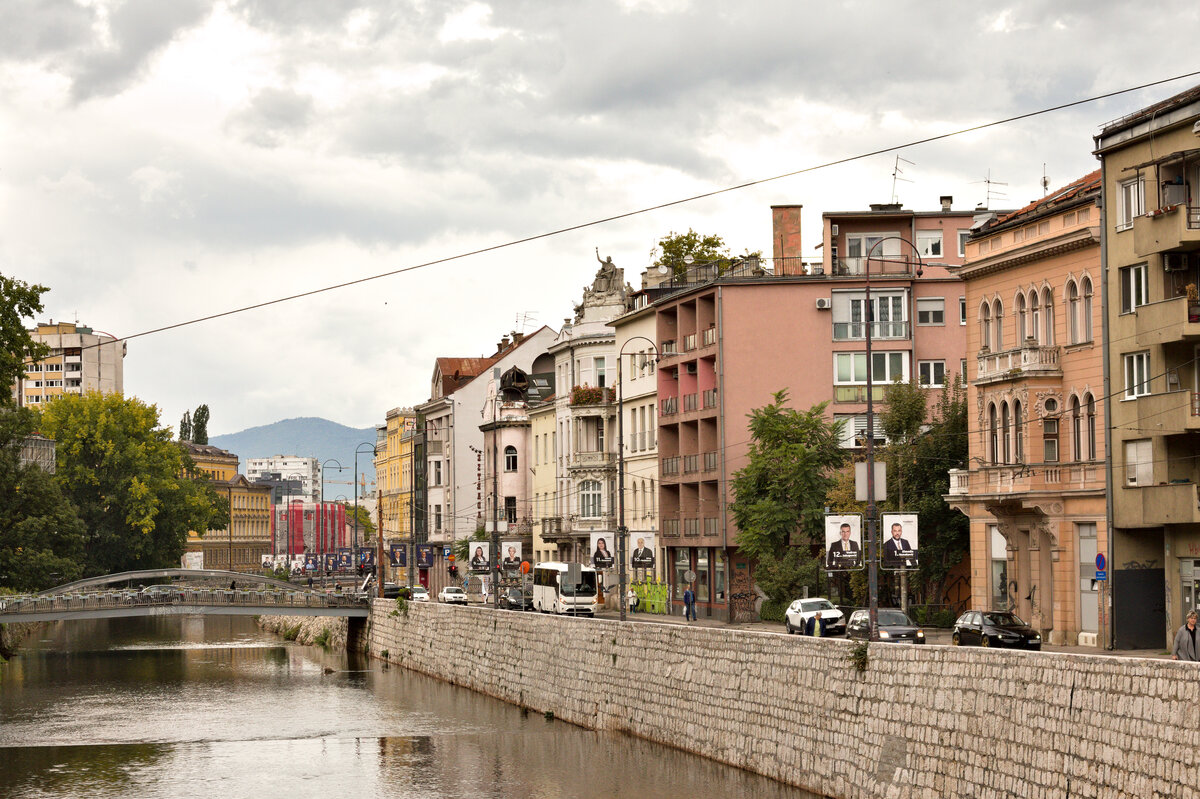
185	427
18	301
41	535
128	480
903	415
200	425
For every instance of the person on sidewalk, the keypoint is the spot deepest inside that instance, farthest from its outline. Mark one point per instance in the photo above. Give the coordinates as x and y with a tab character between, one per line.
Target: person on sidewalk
632	599
1185	640
689	604
815	626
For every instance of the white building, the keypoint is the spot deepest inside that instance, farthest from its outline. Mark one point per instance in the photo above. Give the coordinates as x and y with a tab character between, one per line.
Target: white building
299	478
80	360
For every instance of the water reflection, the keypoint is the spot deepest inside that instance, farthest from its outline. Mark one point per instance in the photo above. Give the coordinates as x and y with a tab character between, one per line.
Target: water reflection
201	706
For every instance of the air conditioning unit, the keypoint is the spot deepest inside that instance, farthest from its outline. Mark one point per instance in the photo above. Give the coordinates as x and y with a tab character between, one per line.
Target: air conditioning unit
823	303
691	368
833	229
1175	261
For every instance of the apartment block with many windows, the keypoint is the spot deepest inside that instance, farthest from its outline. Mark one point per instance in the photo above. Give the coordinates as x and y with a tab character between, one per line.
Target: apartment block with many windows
81	359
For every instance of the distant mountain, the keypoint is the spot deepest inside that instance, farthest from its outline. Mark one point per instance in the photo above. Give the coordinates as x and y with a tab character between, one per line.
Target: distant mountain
308	437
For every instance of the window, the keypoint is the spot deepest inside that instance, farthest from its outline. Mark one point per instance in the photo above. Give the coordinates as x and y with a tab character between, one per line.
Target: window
589	499
510	509
1137	375
1050	440
929	243
1005	433
931	311
1073	330
1076	430
851	367
932	374
887	313
963	235
997	325
1046	336
1035	317
1139	463
962	310
993	434
1133	287
510	458
1089	404
1130	202
598	363
437	473
437	518
985	326
854	430
1018	433
1085	310
1022	319
962	367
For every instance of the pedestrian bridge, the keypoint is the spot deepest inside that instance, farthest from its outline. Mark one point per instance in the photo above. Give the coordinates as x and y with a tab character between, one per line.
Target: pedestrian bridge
181	592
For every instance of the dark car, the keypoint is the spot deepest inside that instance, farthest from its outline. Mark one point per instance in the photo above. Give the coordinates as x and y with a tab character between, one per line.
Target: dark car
994	628
515	599
894	627
390	590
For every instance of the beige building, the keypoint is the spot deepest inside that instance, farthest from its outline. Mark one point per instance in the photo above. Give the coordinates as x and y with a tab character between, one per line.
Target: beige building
1151	179
544	462
241	545
393	475
1035	489
80	360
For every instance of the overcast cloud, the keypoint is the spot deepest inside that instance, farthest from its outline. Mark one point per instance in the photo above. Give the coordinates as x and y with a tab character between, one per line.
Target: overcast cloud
167	161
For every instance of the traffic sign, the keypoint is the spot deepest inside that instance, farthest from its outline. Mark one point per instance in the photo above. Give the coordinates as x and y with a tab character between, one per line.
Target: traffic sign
1101	575
1101	562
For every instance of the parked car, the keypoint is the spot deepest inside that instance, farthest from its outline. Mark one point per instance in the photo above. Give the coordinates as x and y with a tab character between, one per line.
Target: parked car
894	627
800	611
452	594
390	590
516	599
994	628
418	593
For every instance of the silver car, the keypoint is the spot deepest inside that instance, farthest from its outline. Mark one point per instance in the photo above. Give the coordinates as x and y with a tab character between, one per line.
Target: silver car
800	611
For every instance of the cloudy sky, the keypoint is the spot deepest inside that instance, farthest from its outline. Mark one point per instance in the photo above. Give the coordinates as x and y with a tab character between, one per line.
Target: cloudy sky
165	161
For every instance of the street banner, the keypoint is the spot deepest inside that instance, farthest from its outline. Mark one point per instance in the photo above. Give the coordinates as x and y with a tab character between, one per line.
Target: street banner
366	557
480	559
843	542
641	550
311	562
510	552
424	556
398	555
344	562
330	561
899	535
602	551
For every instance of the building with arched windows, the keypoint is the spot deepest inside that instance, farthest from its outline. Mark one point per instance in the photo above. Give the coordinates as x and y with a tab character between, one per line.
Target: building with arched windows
1035	489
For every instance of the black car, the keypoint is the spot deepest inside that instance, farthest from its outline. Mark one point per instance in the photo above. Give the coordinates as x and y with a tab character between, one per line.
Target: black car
515	599
994	628
894	627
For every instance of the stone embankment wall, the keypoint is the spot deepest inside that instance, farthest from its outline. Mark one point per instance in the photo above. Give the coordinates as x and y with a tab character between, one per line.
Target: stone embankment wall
11	636
919	721
337	631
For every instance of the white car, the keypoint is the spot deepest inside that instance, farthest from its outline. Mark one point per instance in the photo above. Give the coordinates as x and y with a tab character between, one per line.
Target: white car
800	611
453	594
418	593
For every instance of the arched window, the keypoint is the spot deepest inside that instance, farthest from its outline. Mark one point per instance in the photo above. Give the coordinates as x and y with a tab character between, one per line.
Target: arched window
1073	329
998	325
1022	322
589	499
985	326
1076	431
510	458
993	440
1089	403
1018	433
1006	427
1085	311
1047	334
1035	316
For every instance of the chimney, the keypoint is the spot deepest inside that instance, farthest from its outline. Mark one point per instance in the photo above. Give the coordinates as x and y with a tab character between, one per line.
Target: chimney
503	345
785	235
947	201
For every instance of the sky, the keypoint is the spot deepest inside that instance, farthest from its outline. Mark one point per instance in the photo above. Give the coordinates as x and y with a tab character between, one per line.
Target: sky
168	161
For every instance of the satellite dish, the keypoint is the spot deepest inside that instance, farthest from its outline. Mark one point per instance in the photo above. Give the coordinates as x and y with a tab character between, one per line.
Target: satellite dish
663	269
689	260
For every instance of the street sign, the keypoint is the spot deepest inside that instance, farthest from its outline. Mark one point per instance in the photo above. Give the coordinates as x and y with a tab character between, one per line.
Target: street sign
1101	563
1101	575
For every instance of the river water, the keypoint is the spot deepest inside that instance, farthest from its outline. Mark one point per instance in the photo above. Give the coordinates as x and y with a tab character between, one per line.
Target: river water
212	706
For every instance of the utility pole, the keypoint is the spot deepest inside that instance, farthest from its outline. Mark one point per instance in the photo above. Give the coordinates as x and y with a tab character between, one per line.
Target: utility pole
495	564
380	571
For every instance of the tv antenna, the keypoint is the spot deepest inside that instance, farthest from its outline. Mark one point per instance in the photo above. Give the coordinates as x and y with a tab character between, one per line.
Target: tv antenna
897	171
991	193
1045	181
524	318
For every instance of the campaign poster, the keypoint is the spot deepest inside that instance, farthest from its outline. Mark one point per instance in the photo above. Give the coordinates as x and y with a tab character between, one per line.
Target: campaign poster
899	535
268	563
602	550
641	550
479	556
310	562
425	556
843	542
398	555
510	556
366	557
330	561
344	561
297	567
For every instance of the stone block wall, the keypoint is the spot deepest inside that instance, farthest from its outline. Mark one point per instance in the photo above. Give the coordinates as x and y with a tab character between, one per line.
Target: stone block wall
919	721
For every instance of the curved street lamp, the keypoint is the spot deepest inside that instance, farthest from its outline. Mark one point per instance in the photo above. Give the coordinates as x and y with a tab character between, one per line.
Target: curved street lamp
341	468
374	452
622	530
872	528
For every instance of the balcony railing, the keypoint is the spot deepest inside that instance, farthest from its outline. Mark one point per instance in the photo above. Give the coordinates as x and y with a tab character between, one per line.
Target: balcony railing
880	265
855	331
670	528
710	398
710	461
690	402
691	527
667	349
592	460
668	406
857	393
689	342
710	336
670	466
960	482
1029	360
691	464
712	527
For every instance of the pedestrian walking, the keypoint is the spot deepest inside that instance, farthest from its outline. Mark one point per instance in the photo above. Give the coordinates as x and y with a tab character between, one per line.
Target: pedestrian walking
1185	640
632	599
689	604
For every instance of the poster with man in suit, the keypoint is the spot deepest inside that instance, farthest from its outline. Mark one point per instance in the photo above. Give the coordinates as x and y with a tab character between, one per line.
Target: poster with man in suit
843	542
398	555
899	541
424	556
641	551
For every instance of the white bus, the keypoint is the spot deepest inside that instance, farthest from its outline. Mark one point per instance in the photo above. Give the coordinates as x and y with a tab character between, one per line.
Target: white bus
552	595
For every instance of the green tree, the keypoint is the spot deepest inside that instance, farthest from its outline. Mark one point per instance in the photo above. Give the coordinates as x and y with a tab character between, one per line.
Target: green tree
129	481
779	496
185	427
200	425
18	302
41	535
903	415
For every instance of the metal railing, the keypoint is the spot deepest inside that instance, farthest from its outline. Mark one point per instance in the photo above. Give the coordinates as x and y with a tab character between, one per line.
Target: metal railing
668	406
710	398
670	466
690	402
20	605
691	464
852	331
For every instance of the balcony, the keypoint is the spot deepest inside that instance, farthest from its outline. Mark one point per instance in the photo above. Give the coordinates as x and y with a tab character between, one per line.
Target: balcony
880	265
670	528
710	461
689	342
690	402
592	395
1154	506
691	464
880	331
1176	227
667	350
1030	360
710	398
1174	411
709	337
857	393
668	406
591	460
1176	319
960	482
669	467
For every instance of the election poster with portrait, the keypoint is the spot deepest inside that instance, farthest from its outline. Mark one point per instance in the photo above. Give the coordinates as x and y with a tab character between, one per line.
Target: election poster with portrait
366	557
843	542
641	550
510	556
424	556
480	556
330	562
899	536
344	561
602	550
398	555
310	561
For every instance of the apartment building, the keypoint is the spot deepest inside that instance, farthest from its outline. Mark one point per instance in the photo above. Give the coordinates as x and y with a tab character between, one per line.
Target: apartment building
543	421
241	545
393	474
81	359
1150	168
295	478
1035	488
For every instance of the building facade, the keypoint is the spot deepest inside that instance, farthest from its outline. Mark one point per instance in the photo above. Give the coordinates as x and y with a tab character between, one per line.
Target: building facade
1150	167
298	478
543	423
81	359
393	474
1035	488
241	545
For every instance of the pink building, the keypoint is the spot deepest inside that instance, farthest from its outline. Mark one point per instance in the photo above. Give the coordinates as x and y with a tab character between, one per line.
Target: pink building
729	341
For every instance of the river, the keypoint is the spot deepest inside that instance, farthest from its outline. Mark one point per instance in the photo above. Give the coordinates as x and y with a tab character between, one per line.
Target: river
212	706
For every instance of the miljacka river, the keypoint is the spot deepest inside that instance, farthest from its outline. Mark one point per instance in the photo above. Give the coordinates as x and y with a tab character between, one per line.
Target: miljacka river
210	706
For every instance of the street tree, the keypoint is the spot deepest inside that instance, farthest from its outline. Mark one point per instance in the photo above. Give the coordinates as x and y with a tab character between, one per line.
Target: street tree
132	485
18	301
903	415
41	535
200	425
185	427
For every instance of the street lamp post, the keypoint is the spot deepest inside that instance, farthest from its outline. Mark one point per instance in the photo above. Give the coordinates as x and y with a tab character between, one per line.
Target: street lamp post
322	547
357	450
872	527
622	531
288	515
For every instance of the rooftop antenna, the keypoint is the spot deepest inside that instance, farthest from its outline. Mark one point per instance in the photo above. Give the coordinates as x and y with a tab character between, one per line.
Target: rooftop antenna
524	318
1045	181
897	171
991	193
